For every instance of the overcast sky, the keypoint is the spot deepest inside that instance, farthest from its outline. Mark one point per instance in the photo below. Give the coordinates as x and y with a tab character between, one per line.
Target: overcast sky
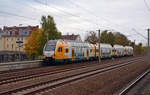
80	16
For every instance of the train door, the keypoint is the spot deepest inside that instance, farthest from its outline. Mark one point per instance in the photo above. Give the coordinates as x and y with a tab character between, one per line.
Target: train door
60	52
101	52
114	52
87	52
73	54
95	52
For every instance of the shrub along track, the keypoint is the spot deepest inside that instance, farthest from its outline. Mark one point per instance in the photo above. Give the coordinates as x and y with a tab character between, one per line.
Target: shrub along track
40	83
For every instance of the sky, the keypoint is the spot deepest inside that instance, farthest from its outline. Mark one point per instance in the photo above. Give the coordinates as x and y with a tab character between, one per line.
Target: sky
130	17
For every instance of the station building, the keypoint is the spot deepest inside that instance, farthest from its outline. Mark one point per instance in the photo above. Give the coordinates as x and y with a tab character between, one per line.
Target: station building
12	35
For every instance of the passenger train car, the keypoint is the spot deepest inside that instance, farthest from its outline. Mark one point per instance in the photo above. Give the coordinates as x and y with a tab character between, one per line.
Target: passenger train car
118	50
70	51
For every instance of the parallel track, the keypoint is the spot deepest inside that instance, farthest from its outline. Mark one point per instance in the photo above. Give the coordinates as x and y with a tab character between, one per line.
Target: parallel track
49	84
25	77
127	89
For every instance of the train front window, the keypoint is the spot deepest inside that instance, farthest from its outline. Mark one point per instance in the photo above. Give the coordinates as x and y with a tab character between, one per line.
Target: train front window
50	46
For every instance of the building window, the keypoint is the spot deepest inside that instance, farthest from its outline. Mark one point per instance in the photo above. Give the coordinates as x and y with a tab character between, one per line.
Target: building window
12	46
18	39
90	50
21	45
22	39
7	39
7	46
26	32
26	38
18	46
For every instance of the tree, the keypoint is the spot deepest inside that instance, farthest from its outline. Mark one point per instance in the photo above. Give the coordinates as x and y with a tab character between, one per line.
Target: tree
35	43
107	37
140	49
49	27
121	39
92	37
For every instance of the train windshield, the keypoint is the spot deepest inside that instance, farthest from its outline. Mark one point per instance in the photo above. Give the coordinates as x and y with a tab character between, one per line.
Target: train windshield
50	46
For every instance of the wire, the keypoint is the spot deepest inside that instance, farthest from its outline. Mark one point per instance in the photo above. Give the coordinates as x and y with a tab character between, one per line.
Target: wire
148	8
91	13
139	33
12	14
68	13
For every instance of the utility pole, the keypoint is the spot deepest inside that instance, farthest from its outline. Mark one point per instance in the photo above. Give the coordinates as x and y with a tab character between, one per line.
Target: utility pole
134	47
47	36
148	49
99	59
148	35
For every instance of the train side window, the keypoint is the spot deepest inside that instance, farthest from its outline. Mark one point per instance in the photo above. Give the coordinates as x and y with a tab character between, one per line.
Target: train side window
90	50
73	54
67	50
97	50
60	49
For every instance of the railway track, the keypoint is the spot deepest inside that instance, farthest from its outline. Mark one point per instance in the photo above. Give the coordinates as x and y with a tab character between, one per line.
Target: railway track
133	84
61	80
48	72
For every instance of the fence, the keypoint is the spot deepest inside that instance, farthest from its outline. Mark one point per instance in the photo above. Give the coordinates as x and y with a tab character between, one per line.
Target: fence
12	56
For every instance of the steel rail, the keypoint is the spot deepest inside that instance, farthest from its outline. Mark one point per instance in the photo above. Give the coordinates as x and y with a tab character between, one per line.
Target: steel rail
128	88
14	79
64	80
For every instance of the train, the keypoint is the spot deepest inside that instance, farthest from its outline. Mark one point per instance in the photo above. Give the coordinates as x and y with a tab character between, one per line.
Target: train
56	51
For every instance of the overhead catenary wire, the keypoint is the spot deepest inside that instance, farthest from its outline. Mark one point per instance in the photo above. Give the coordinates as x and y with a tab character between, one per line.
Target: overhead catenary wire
139	34
148	8
93	14
69	13
87	20
77	16
65	12
13	14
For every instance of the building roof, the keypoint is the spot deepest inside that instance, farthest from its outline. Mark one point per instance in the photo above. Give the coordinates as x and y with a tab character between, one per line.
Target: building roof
69	37
18	31
20	27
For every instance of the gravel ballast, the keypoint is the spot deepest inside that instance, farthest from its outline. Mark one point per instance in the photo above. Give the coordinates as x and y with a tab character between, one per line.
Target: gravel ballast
107	83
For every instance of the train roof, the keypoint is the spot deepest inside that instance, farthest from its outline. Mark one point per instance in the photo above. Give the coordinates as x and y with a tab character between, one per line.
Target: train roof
118	46
72	43
104	45
130	47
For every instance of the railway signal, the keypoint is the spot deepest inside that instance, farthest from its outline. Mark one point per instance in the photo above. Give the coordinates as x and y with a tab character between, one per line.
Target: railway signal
19	46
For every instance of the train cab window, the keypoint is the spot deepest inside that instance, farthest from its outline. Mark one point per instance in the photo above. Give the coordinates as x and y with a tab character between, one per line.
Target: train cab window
90	50
67	50
60	49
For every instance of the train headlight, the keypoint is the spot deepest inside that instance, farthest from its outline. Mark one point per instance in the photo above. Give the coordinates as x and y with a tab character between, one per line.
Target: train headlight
44	57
